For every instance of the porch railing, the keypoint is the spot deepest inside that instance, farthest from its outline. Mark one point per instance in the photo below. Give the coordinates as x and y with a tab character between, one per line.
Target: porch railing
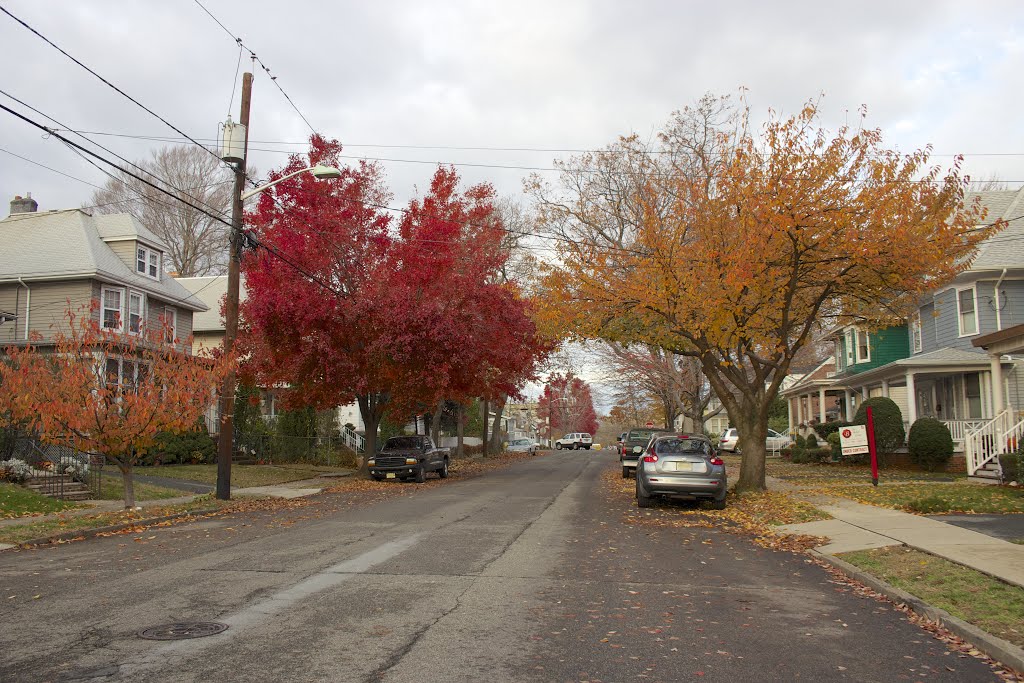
354	441
959	429
988	442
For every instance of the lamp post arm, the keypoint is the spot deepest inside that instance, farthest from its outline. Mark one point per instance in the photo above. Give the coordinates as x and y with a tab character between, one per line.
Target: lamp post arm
261	188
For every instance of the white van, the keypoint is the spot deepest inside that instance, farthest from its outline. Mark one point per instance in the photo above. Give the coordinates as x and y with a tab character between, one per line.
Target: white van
575	441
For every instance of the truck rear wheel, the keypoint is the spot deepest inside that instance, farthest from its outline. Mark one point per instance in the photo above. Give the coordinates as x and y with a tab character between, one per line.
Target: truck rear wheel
443	472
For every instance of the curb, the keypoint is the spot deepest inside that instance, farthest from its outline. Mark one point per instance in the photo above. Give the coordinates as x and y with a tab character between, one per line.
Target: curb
94	532
994	647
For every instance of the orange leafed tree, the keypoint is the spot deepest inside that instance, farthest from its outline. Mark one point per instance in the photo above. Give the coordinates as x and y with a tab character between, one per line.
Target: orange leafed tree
107	392
734	247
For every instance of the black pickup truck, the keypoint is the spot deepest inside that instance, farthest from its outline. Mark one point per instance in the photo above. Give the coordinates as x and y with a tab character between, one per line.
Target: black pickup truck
409	457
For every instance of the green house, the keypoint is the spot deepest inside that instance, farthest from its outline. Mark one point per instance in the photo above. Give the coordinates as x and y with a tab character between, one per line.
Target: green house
858	349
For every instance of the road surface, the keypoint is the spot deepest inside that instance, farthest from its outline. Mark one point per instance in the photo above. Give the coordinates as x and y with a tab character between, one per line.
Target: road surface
531	573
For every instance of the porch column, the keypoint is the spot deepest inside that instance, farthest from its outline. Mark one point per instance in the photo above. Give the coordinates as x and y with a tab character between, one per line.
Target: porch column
998	404
789	414
799	410
911	399
821	404
885	388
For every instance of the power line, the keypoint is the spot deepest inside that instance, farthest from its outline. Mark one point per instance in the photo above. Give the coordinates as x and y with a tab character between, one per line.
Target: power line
105	81
273	78
86	182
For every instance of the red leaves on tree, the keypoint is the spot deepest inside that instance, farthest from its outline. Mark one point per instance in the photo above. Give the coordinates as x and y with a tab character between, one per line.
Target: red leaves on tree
567	405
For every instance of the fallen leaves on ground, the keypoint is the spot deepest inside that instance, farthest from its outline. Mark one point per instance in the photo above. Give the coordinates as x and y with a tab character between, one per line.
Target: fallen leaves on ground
928	498
751	514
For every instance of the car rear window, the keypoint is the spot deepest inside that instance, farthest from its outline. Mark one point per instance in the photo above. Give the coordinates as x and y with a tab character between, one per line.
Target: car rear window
643	434
679	446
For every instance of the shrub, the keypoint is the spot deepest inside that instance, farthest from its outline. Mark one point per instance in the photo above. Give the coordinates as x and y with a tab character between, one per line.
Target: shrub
15	470
929	505
800	456
825	428
889	431
835	445
800	441
931	445
822	455
811	442
1013	466
182	448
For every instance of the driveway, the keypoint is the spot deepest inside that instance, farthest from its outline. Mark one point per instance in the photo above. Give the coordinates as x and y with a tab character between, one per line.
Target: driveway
1009	527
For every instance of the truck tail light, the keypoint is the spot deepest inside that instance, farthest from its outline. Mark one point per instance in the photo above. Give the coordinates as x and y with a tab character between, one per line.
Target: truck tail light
651	457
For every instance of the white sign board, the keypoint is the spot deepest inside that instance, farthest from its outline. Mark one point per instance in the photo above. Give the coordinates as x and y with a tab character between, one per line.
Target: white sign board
853	439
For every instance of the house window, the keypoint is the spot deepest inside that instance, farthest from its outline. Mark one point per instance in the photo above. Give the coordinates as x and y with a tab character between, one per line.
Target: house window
840	364
863	346
113	311
972	392
849	348
147	262
967	311
136	308
124	374
170	324
916	337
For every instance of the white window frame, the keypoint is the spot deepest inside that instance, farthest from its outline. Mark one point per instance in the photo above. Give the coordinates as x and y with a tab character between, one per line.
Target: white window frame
960	315
120	311
916	334
840	359
851	340
171	316
866	358
133	293
150	259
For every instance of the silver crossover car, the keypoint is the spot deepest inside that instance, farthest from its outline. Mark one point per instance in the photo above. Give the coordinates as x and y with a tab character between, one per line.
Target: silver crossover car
680	466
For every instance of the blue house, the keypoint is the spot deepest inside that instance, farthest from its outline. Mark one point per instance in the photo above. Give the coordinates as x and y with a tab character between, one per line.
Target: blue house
930	366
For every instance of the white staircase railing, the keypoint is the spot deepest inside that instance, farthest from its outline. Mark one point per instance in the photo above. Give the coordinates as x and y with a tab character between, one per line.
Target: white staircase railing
354	441
1013	438
988	442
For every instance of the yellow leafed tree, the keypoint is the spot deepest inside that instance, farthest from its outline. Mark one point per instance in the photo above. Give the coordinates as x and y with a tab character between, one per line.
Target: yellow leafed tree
733	247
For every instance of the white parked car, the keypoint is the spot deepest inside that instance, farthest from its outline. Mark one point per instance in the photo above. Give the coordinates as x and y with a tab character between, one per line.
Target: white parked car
521	446
773	442
575	441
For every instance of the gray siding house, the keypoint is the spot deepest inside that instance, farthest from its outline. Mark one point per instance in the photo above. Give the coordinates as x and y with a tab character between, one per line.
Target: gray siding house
51	259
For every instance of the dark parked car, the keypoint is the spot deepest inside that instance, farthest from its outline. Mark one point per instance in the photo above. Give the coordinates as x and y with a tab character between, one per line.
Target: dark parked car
633	444
681	466
409	457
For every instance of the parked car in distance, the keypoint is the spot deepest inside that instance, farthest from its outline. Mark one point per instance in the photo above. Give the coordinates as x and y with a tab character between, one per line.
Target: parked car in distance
633	444
521	446
575	441
682	467
409	457
729	441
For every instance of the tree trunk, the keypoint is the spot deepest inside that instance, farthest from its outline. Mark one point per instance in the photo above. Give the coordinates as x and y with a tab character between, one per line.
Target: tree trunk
753	429
129	485
460	422
485	408
435	424
371	409
499	408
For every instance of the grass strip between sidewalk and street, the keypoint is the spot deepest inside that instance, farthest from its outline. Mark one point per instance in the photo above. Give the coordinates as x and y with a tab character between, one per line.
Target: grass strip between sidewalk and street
242	476
990	604
18	501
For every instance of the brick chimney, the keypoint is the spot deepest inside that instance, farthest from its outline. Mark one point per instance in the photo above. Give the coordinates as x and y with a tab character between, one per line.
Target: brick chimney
23	204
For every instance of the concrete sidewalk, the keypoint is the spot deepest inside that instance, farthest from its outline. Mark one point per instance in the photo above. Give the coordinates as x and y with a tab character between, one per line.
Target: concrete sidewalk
856	526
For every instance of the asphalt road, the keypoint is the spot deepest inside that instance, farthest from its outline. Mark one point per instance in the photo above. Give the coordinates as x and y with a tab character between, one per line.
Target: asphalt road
533	573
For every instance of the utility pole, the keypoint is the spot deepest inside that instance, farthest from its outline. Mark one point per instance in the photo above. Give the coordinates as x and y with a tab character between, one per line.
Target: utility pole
225	444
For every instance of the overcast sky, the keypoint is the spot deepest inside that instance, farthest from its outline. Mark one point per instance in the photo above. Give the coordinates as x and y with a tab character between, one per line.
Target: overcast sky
552	75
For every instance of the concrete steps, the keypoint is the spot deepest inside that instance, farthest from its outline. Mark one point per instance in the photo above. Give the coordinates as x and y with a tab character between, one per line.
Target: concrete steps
58	486
990	473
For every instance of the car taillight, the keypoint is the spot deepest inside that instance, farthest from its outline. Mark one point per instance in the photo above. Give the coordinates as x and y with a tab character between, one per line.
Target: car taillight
650	457
717	461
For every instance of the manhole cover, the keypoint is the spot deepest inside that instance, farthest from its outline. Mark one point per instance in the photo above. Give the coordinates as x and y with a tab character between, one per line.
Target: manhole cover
183	631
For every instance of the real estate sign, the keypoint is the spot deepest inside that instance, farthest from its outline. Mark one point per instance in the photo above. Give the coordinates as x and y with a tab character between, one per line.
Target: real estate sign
853	439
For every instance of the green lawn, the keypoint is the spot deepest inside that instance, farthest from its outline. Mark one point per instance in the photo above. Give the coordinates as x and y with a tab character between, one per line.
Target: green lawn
812	473
242	476
17	501
992	605
112	488
931	498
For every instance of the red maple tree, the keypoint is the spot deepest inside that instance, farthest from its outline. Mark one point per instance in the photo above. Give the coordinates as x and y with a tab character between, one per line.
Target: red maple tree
567	405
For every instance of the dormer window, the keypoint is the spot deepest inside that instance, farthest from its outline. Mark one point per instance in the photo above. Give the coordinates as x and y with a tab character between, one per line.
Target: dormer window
147	262
863	346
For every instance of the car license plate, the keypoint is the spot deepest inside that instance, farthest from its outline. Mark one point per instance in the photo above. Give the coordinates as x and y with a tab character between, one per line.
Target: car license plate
390	475
681	466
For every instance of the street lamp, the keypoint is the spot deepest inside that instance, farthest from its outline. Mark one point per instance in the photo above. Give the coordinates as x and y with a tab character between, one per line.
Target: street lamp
225	443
